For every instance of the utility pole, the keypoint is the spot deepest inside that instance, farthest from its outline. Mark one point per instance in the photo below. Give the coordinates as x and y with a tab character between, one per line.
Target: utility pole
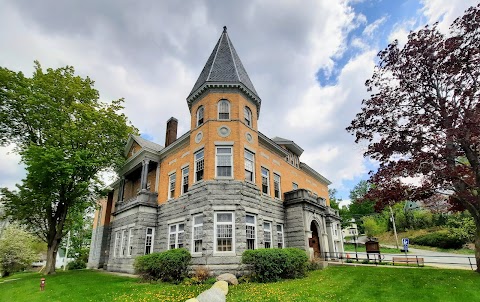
392	218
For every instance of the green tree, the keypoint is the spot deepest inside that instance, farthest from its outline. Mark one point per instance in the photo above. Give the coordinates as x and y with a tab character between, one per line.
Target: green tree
359	206
66	136
17	250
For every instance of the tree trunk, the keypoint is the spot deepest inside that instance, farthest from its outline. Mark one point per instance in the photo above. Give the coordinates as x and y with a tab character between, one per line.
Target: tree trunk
52	256
477	245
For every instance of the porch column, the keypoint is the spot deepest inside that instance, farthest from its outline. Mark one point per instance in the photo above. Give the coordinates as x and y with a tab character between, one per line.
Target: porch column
121	189
330	238
143	179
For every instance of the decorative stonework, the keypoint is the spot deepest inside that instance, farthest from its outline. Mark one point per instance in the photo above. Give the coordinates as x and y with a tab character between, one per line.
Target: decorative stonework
249	137
199	137
223	131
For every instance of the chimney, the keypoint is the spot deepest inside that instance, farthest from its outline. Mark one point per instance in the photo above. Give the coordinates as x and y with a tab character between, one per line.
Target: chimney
171	134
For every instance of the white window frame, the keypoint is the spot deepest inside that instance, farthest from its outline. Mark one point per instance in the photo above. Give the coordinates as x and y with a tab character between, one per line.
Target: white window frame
275	177
282	236
130	242
187	175
224	154
124	242
152	237
196	163
116	244
195	226
248	116
265	232
171	190
200	110
215	243
176	234
254	225
221	110
253	164
268	180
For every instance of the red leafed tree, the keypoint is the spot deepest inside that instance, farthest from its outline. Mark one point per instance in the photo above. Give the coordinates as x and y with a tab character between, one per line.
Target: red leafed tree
422	120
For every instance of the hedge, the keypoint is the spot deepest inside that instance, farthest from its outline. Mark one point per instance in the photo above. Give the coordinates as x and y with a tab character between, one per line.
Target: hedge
76	264
441	239
269	265
169	266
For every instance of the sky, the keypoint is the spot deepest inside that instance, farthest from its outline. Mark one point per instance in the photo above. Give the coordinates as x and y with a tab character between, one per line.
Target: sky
308	62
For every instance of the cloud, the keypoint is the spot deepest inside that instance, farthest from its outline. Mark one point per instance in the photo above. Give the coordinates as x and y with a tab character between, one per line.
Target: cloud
12	170
372	27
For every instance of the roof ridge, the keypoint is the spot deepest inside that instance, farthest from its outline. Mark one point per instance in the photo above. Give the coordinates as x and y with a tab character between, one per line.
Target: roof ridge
215	57
231	53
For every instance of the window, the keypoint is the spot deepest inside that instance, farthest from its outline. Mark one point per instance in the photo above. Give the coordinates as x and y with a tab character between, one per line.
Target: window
130	242
171	185
224	232
200	112
123	247
248	116
224	162
276	185
265	180
185	172
116	246
249	166
199	165
295	186
149	240
267	234
197	233
176	236
280	236
251	233
224	110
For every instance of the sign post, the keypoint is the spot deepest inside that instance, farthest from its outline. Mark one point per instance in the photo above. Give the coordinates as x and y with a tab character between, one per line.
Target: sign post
405	242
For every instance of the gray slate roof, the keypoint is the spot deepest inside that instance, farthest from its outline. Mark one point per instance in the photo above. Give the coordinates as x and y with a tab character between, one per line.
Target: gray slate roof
147	144
224	67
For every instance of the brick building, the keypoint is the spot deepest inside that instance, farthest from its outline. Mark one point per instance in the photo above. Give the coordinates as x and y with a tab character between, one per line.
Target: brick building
217	190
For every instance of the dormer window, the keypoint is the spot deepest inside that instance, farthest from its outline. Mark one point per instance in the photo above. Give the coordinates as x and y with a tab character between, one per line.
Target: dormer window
200	112
224	110
248	116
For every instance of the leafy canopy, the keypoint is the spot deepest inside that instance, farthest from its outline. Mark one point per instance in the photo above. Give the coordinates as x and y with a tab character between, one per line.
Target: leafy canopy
66	136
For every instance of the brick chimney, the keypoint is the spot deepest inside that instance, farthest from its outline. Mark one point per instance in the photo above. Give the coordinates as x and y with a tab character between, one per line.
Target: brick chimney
171	134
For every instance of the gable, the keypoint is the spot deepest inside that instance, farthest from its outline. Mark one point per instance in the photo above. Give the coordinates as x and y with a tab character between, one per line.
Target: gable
133	149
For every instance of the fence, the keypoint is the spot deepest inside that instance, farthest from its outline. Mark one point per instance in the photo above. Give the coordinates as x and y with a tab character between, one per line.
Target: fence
459	261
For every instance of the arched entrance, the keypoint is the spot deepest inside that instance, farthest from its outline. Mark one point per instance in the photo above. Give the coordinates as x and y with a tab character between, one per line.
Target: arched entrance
314	242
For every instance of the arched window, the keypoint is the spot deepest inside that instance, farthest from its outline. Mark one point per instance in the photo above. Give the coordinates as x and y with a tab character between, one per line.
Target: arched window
224	110
200	112
248	116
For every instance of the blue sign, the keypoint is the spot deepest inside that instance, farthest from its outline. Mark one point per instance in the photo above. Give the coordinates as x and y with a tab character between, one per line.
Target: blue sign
405	247
405	241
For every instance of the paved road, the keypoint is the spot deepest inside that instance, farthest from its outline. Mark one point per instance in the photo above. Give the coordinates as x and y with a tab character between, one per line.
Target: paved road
431	258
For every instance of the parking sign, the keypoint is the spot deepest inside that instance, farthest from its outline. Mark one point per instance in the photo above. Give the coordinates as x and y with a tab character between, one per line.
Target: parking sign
405	241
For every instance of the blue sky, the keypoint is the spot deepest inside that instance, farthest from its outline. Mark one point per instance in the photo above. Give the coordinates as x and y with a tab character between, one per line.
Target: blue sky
307	62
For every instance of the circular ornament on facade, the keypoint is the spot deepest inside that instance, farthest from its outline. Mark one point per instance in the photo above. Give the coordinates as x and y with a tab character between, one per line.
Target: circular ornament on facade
249	137
223	131
198	137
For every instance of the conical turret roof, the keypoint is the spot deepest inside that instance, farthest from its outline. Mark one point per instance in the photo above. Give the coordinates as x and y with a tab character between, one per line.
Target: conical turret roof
224	69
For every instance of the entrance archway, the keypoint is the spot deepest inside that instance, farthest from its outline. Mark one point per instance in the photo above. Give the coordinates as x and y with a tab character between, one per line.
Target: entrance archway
314	242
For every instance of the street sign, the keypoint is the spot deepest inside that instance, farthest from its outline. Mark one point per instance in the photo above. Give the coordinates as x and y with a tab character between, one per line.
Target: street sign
405	247
405	241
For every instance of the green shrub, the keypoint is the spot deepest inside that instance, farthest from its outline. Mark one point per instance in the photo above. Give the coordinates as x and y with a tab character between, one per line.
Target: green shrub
76	264
441	239
269	265
169	266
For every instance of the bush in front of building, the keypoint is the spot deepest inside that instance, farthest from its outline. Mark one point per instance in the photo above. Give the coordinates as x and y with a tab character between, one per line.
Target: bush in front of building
441	239
76	264
269	265
168	266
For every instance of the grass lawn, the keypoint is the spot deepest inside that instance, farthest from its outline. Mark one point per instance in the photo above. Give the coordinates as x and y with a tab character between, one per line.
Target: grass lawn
347	283
350	247
389	238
